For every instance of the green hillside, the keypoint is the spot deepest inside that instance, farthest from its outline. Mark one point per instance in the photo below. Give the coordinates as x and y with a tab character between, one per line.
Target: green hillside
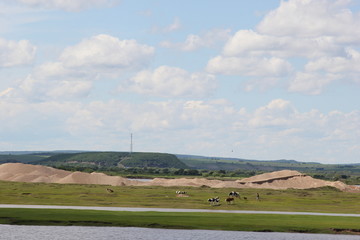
214	163
159	160
22	158
108	160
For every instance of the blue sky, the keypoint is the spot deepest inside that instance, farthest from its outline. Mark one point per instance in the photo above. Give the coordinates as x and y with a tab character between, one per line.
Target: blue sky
249	79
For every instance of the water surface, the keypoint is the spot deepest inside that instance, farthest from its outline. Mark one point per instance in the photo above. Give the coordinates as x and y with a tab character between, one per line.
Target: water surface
12	232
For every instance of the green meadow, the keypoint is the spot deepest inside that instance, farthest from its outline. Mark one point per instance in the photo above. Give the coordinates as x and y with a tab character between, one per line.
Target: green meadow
210	221
326	200
329	200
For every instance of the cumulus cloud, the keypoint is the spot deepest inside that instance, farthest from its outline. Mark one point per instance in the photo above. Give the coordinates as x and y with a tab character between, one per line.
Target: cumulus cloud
99	57
66	5
168	81
40	89
248	42
194	42
105	51
310	44
270	130
310	83
277	113
13	53
337	64
320	72
249	66
312	18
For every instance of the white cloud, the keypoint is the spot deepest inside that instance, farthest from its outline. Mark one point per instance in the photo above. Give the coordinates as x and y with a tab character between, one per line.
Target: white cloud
278	112
320	72
176	25
105	51
319	36
248	42
194	42
66	5
312	18
168	81
39	89
273	131
338	64
310	83
13	53
99	57
249	66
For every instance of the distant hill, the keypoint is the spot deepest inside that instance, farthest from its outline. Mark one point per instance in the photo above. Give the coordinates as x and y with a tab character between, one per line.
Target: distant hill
160	160
113	159
21	158
233	164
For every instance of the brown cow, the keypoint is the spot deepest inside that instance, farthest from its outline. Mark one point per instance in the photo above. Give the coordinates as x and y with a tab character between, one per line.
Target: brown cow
229	200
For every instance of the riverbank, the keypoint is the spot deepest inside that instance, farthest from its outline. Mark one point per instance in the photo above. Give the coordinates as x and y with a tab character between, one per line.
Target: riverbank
183	220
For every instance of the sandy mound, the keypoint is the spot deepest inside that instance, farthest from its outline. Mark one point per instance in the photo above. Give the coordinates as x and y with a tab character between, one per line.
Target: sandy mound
275	180
266	177
19	172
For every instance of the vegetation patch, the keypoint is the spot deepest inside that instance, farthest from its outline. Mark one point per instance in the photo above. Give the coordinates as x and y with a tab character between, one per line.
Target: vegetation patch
210	221
328	200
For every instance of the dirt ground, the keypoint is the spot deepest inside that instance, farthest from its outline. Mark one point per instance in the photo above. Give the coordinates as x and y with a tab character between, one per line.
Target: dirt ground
19	172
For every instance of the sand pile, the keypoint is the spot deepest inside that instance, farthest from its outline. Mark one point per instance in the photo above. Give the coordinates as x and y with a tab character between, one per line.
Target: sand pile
266	177
19	172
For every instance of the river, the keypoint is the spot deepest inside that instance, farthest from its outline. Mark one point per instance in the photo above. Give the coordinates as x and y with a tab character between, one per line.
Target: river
12	232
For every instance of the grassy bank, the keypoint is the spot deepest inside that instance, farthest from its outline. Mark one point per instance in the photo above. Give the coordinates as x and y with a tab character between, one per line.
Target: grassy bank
315	200
211	221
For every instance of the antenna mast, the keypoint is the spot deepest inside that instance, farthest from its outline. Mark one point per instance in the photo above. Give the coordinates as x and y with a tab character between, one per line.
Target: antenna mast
131	143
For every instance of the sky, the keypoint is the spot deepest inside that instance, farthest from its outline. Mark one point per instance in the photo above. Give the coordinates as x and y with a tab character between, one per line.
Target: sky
249	79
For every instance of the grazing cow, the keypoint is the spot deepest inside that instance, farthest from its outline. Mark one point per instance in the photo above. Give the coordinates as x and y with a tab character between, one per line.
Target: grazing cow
229	200
245	198
214	201
109	190
180	192
234	194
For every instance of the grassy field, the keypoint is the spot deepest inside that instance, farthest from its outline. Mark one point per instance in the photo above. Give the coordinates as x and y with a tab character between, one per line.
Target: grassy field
218	221
315	200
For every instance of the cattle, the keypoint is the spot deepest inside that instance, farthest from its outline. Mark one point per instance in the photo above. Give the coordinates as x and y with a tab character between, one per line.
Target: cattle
109	190
180	192
229	200
234	194
214	201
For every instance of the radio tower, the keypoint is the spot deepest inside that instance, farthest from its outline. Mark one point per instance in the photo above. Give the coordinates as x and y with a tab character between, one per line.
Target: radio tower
131	144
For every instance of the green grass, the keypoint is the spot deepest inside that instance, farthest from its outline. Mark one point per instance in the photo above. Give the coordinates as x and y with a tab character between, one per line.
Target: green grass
213	221
314	200
317	200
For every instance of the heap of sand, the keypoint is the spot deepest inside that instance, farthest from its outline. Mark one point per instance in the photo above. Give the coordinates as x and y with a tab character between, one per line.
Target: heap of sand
19	172
292	179
267	177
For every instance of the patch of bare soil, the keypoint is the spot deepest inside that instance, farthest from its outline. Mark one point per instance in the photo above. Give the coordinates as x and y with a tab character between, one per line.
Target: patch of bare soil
19	172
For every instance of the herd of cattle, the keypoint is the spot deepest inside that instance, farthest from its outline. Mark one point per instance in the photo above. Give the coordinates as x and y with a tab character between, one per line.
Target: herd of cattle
213	201
229	199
